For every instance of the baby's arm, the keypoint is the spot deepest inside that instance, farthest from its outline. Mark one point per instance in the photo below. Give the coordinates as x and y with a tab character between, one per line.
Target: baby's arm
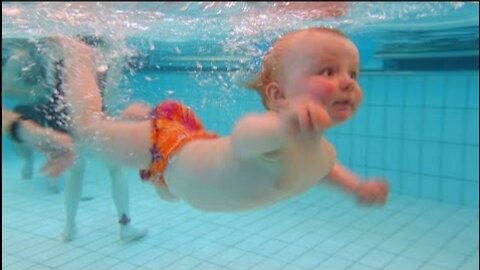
256	134
368	192
343	178
260	134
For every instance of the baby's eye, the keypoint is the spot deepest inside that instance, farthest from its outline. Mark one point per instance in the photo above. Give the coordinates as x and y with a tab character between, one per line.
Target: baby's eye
353	75
327	72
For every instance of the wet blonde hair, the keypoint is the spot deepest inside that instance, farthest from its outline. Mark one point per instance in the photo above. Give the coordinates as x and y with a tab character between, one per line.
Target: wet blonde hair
272	68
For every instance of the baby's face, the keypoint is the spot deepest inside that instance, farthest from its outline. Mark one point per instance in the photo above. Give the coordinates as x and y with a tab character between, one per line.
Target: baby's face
324	67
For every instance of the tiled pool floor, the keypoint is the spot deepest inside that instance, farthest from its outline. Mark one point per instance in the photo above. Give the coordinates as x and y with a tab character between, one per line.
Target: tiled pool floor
322	229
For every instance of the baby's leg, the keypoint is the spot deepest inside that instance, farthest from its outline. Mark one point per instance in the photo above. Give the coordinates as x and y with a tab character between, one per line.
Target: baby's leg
73	191
135	112
120	195
26	153
123	142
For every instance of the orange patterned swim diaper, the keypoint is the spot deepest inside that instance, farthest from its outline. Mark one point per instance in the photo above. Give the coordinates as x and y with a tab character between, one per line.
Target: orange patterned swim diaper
173	125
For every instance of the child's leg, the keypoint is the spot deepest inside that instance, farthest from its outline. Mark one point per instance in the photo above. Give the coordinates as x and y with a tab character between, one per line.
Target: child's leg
26	153
73	191
120	195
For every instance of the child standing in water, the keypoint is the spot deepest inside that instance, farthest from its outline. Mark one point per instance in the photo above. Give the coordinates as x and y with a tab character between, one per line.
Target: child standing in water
308	83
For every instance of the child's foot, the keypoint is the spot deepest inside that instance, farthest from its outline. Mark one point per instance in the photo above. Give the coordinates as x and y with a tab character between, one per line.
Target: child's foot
129	233
69	234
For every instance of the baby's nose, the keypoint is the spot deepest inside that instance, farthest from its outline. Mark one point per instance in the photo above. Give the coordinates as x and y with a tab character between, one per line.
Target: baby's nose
346	83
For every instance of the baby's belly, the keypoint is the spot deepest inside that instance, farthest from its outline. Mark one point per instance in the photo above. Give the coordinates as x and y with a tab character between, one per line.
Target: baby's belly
230	200
235	187
232	193
224	193
207	176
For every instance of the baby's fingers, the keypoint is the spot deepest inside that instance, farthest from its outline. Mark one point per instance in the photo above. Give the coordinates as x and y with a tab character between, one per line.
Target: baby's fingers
305	120
382	187
319	116
381	192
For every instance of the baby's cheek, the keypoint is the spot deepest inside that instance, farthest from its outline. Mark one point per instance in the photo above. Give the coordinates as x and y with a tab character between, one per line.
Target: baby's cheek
323	90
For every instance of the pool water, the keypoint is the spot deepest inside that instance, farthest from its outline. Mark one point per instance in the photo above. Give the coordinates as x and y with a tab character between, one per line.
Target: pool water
417	127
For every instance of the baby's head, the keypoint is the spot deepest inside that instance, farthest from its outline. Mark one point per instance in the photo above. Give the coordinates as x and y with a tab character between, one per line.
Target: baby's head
315	63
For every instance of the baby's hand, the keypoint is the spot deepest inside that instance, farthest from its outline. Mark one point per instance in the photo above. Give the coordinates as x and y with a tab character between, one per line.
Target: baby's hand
372	192
305	119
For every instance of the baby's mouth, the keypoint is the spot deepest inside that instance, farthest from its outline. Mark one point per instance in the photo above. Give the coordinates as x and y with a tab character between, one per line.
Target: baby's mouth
343	104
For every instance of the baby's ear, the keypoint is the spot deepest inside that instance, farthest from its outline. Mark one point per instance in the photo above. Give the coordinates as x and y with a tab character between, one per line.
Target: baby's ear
275	96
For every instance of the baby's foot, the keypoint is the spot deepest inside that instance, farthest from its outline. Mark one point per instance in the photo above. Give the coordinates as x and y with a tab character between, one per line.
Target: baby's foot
27	170
129	233
69	234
